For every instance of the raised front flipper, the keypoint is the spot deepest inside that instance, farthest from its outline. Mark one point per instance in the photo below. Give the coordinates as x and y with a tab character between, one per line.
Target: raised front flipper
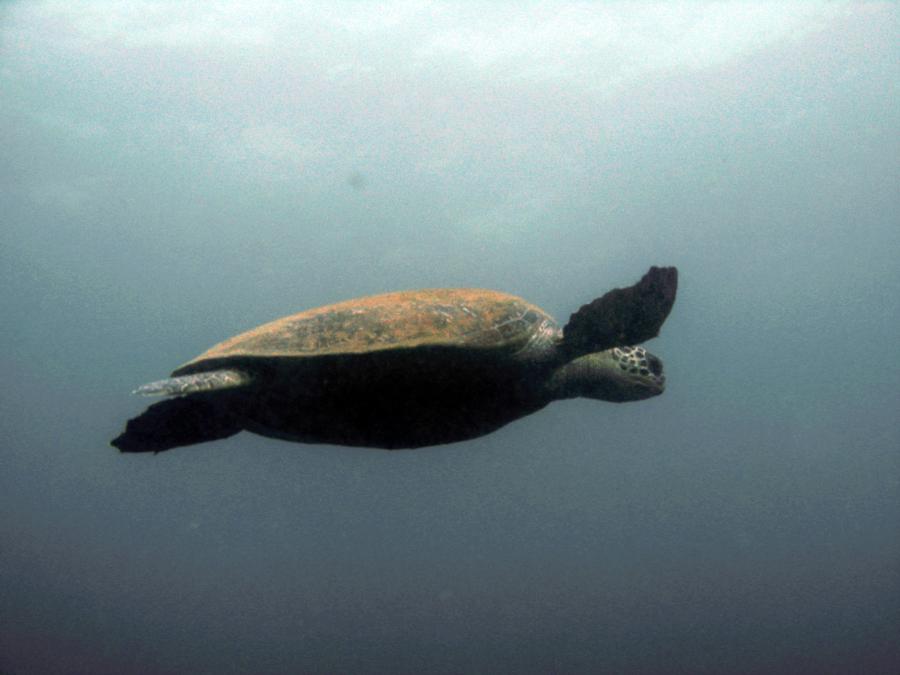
623	316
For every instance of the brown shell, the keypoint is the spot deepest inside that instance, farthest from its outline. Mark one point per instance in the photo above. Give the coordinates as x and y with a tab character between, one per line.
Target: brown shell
444	317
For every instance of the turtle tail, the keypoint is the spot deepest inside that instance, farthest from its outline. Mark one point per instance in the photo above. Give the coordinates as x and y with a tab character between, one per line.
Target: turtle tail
623	316
179	421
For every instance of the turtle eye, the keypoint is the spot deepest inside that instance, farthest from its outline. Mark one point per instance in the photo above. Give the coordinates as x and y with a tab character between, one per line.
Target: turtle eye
654	364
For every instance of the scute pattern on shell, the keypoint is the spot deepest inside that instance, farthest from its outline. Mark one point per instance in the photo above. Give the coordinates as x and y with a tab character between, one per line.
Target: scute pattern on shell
470	318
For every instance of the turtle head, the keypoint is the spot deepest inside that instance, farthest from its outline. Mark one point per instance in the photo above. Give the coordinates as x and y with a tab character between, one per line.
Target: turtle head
619	374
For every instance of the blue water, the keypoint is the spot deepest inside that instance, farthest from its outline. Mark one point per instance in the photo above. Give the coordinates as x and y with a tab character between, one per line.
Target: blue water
174	174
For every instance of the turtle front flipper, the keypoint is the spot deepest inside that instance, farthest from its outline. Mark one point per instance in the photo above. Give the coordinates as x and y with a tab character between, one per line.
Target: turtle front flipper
623	316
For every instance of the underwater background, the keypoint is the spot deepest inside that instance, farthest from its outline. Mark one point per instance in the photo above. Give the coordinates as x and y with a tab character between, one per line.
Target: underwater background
175	173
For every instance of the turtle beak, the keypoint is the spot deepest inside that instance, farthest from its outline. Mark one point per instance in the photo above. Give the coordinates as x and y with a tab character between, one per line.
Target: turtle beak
655	366
655	380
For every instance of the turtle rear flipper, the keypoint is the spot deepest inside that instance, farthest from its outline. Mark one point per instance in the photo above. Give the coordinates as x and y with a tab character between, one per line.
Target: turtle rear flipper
178	421
212	380
623	316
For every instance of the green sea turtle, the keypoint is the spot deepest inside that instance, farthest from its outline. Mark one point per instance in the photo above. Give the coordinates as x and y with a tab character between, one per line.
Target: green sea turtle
409	369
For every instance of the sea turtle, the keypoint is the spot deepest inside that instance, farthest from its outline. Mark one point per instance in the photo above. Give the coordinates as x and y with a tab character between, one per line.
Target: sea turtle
409	369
